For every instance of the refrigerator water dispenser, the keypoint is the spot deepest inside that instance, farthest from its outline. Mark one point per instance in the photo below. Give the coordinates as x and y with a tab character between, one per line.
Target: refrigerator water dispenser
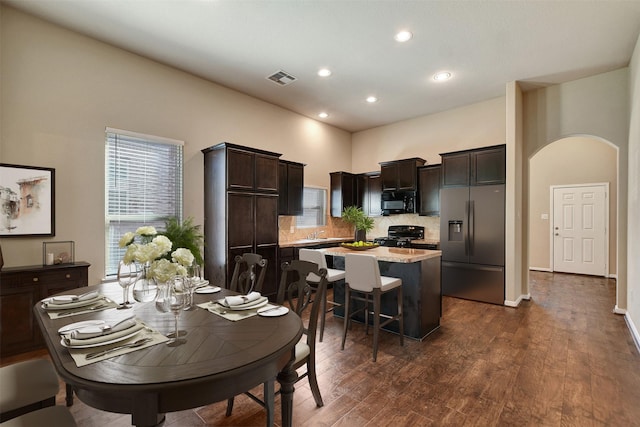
455	231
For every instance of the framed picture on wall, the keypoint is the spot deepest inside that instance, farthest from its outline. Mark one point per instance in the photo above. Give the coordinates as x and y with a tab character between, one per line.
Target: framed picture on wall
27	201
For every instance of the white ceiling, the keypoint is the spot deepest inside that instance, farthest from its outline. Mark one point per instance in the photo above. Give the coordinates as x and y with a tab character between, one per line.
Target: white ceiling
485	44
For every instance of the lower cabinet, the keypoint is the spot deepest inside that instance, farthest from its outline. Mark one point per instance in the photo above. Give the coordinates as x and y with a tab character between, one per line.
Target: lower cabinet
20	289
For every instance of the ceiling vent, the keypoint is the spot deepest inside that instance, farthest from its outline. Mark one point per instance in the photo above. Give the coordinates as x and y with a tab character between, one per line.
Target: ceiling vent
282	78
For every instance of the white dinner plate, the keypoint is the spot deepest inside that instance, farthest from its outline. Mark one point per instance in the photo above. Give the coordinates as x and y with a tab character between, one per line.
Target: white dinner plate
208	290
273	311
77	325
100	344
77	304
247	306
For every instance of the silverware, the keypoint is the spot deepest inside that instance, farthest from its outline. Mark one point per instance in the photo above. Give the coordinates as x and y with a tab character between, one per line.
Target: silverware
134	344
270	309
82	309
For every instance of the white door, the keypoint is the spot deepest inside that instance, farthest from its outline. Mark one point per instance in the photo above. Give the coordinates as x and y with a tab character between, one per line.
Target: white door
580	243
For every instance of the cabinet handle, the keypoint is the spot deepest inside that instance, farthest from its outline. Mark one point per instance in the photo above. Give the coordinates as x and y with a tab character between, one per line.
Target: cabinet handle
35	279
68	276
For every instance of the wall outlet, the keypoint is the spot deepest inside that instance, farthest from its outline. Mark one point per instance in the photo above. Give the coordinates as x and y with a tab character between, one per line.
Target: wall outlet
544	216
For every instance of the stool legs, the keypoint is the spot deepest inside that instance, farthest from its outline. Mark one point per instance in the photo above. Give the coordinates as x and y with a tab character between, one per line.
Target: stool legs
347	316
376	321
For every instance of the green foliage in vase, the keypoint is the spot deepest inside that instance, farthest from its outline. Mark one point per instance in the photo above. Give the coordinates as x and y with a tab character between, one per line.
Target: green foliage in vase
356	217
185	235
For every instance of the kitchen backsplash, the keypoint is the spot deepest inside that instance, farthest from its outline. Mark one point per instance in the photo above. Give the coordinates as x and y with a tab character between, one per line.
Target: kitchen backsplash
337	228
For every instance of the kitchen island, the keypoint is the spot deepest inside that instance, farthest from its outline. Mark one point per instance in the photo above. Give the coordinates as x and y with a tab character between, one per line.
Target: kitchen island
419	270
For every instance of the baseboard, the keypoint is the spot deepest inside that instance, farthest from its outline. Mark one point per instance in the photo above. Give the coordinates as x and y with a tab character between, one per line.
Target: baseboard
613	276
517	302
618	310
545	269
634	331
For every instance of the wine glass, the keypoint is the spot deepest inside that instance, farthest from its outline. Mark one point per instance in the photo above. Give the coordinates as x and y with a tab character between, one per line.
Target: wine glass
176	301
127	276
191	281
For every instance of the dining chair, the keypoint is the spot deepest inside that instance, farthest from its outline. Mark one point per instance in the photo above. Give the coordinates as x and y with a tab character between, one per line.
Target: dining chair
295	292
57	416
27	386
364	283
333	275
245	278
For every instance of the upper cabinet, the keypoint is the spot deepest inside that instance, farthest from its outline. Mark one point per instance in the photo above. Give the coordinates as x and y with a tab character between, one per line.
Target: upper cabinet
484	166
251	170
370	193
291	182
400	175
343	192
429	180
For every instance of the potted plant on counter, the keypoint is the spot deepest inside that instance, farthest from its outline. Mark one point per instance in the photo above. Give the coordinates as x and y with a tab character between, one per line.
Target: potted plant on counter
185	235
362	223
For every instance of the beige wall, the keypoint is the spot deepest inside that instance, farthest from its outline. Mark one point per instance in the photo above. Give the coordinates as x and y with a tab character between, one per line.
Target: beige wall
574	160
596	106
59	90
633	248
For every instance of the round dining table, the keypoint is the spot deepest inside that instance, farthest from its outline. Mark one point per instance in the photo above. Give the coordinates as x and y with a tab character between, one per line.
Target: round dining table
220	359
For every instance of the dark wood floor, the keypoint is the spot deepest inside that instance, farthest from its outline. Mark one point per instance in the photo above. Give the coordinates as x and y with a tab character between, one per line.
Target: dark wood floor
561	359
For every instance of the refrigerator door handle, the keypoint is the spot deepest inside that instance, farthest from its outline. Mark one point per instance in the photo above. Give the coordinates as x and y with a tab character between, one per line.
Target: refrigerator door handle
466	228
472	208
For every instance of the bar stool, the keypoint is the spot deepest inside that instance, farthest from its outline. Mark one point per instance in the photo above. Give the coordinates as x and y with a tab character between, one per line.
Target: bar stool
317	256
27	386
363	277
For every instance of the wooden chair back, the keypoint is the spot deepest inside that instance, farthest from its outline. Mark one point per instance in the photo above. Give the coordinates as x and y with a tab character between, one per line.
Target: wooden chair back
245	277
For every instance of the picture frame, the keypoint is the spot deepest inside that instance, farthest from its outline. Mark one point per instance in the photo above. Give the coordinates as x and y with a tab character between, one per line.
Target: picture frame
55	253
27	201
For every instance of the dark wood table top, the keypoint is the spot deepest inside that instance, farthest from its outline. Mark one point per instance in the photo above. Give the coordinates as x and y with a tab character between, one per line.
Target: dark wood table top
220	359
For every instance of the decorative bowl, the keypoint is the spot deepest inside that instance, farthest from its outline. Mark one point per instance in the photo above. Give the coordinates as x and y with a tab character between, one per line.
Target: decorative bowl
359	248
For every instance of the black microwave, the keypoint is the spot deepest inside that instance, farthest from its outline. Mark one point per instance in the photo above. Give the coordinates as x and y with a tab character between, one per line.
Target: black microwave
398	203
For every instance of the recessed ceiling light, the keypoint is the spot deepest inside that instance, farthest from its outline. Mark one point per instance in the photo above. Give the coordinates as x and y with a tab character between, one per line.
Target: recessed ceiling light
372	99
403	36
323	115
324	72
442	76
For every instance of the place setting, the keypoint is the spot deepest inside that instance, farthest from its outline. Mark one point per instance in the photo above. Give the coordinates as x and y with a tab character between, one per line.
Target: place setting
238	307
61	306
91	341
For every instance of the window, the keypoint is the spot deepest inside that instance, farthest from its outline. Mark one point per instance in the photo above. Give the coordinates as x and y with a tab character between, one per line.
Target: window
143	178
314	205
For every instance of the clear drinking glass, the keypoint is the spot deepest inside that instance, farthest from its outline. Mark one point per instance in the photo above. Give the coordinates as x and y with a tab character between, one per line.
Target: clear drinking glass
191	281
127	276
176	301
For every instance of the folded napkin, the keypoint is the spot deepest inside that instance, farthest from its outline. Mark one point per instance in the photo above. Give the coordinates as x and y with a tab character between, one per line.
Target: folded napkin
241	299
66	299
92	331
73	342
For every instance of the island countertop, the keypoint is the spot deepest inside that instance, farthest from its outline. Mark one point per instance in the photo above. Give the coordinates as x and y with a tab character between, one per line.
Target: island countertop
389	254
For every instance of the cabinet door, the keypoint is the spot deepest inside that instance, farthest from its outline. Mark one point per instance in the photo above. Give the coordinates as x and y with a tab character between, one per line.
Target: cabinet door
429	184
270	284
266	173
283	190
343	192
407	172
19	332
389	175
240	220
372	205
488	167
266	219
455	170
295	183
240	170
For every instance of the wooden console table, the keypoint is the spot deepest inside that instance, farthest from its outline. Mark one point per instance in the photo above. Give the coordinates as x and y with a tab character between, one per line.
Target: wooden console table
20	289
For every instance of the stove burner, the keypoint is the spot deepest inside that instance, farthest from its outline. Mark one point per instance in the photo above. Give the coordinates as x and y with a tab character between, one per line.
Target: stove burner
401	235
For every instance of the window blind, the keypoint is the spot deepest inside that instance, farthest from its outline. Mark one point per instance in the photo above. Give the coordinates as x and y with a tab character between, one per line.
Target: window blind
313	208
143	186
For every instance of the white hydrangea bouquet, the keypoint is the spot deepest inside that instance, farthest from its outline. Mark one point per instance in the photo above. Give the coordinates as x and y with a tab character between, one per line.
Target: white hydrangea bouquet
152	251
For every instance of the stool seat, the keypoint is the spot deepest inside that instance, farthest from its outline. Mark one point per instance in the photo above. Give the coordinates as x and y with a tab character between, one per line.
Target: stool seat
57	416
30	383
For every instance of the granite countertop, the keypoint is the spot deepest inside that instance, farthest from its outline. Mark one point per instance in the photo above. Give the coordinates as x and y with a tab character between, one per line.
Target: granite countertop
384	253
314	242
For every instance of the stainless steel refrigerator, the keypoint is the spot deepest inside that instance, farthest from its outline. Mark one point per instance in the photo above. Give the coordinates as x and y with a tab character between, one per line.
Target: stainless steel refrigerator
472	221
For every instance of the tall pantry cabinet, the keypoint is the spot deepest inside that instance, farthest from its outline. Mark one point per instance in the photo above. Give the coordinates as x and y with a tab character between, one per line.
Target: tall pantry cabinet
240	210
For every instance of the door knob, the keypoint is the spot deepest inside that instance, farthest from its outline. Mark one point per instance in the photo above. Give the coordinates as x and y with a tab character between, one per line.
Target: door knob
557	234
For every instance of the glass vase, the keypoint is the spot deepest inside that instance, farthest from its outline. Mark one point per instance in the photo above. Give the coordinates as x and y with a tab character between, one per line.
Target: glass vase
145	288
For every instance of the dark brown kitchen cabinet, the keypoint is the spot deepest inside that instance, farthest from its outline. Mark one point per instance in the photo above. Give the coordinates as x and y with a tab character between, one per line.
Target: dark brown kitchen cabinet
343	192
291	182
429	184
20	289
483	166
241	214
370	193
400	175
